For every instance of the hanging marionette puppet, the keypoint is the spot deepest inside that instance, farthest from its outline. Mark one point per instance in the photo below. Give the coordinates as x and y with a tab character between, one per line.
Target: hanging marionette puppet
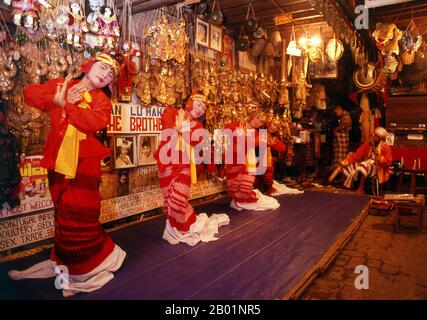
108	28
127	70
76	23
25	12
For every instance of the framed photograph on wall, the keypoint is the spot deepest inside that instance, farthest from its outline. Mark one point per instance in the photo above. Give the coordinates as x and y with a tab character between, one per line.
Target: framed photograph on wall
124	152
202	33
147	145
216	38
327	70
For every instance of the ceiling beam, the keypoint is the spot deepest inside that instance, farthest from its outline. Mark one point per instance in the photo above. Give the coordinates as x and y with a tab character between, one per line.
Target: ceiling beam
274	2
271	13
152	4
262	7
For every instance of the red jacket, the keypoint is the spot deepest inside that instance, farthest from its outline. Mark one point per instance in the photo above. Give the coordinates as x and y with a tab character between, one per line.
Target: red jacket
383	159
88	121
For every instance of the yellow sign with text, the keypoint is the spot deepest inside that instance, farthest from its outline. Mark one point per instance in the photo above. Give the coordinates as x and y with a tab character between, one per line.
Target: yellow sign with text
283	19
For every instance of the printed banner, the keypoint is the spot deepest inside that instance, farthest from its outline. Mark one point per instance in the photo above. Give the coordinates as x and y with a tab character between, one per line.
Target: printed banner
135	118
34	189
117	208
36	227
25	230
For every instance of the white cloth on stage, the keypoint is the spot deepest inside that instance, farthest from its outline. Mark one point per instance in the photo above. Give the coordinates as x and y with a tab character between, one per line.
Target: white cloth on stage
73	284
263	203
204	229
283	189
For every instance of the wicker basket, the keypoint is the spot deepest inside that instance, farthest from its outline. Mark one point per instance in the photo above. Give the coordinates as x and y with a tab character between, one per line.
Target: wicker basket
408	57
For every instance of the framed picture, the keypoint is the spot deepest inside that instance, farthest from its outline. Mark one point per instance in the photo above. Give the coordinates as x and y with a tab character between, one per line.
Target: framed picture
124	152
327	70
216	35
202	33
147	145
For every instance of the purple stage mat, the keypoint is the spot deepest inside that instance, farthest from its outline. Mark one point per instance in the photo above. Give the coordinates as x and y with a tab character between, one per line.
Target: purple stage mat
260	255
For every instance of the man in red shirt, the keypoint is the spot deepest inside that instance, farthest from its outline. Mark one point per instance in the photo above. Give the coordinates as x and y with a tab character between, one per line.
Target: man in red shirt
373	158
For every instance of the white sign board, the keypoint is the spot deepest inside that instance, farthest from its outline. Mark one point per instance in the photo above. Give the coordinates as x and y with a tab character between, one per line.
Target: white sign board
135	118
381	3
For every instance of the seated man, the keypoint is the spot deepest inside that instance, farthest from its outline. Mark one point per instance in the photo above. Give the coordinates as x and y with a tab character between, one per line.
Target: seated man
371	159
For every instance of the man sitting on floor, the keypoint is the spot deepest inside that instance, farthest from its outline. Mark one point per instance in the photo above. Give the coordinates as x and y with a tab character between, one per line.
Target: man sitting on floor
372	159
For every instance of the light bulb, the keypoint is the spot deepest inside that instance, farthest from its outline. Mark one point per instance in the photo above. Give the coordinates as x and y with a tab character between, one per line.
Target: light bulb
315	41
303	41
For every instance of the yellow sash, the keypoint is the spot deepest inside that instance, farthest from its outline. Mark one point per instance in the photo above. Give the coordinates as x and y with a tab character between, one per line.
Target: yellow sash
181	145
251	161
269	157
68	155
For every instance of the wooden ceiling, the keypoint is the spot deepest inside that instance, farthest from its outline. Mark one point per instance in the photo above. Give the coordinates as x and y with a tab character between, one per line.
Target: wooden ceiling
401	14
234	11
303	13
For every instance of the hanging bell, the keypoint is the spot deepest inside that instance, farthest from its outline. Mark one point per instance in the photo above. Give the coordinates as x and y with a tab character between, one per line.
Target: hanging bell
242	44
258	47
251	25
217	18
259	33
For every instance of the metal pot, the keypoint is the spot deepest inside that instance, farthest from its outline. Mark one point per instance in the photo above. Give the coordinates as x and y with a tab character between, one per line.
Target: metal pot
258	47
259	33
251	25
242	43
217	18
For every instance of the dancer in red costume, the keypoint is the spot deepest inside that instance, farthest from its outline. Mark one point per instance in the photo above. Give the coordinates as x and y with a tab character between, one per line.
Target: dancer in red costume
84	256
241	174
266	180
182	223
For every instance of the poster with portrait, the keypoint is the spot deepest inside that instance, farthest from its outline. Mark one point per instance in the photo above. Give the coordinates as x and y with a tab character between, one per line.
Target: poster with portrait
216	36
124	152
147	146
202	33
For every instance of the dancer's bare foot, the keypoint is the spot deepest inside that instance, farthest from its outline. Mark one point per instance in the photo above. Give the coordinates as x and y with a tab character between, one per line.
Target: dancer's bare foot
169	238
